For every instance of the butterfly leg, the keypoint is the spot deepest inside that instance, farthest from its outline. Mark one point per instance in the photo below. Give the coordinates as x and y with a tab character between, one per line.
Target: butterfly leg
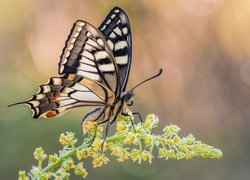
131	119
93	137
137	113
106	134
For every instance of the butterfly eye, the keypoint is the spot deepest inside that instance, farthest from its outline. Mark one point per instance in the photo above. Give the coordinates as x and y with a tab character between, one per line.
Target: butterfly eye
130	103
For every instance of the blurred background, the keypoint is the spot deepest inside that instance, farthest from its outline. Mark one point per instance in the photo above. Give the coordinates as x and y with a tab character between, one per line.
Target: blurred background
203	47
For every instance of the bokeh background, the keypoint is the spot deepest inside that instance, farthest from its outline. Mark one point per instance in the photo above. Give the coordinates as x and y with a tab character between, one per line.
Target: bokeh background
203	47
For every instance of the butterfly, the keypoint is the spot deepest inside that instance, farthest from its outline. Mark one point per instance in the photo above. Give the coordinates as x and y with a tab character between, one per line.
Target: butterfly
94	68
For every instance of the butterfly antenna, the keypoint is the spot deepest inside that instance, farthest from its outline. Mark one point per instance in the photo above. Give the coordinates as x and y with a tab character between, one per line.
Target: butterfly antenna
158	74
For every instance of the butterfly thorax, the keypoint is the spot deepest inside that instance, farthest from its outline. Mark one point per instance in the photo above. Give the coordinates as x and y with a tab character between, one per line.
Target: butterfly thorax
109	112
121	105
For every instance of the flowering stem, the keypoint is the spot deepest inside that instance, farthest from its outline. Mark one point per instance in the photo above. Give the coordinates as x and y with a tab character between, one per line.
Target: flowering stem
66	156
74	150
59	161
124	144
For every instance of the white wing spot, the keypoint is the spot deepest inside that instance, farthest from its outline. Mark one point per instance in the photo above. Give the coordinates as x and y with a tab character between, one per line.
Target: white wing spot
88	47
76	34
46	88
80	87
70	47
122	59
120	45
113	15
103	27
67	54
85	96
64	61
117	10
40	96
88	75
66	102
125	30
93	43
61	69
112	35
107	67
88	55
72	41
111	45
79	29
34	103
108	21
87	61
57	81
117	31
123	18
100	41
85	67
80	23
101	54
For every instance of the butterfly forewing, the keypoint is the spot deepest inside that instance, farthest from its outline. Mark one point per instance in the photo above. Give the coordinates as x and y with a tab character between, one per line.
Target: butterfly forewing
116	29
87	54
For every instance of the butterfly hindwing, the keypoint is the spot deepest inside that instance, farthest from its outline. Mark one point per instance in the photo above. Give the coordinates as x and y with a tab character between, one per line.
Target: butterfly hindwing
87	54
69	91
116	30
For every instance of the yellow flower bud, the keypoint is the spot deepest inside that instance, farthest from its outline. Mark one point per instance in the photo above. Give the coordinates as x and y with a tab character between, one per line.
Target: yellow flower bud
99	160
79	170
67	139
39	154
97	144
53	158
170	154
147	140
176	139
162	152
144	155
22	175
82	154
120	126
129	138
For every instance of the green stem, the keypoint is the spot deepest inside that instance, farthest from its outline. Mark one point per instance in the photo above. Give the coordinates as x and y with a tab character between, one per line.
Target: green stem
58	162
116	137
74	150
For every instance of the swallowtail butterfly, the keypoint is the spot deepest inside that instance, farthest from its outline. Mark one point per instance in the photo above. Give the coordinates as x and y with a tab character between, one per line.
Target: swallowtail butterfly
94	68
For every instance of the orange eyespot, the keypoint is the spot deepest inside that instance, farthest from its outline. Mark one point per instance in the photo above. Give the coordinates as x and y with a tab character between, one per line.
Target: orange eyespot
53	99
51	113
57	94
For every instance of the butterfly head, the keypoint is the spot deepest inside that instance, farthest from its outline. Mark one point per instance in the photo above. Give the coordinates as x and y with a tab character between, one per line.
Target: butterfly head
129	97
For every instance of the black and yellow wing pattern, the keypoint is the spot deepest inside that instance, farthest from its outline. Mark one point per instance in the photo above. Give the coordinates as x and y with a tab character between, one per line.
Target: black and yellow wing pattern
87	54
116	30
94	68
